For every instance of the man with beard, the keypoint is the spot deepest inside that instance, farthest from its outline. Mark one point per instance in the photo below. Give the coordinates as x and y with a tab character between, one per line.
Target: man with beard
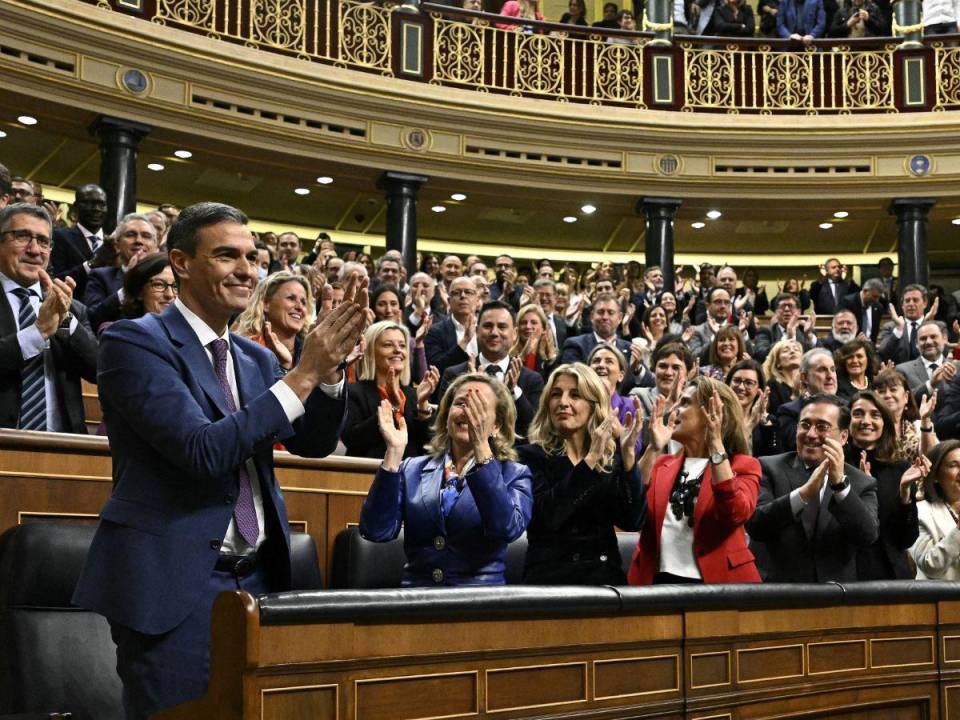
814	512
933	368
74	247
829	291
842	330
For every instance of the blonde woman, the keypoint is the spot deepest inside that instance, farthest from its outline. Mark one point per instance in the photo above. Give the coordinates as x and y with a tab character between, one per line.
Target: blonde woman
585	482
278	316
464	502
782	371
385	375
534	346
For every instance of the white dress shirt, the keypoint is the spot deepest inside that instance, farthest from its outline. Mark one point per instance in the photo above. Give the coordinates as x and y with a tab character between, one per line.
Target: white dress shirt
471	348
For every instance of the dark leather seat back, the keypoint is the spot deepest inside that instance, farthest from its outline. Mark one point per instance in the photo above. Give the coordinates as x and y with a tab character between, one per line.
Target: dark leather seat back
304	565
53	657
627	542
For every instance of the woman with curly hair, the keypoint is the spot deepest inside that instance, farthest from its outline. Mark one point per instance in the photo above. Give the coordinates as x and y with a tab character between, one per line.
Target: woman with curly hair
585	482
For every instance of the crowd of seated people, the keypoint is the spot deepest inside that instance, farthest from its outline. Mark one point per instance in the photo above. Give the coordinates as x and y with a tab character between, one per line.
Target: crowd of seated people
562	402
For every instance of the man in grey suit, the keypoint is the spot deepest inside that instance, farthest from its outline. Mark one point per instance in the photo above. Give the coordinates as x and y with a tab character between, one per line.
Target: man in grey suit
814	512
932	368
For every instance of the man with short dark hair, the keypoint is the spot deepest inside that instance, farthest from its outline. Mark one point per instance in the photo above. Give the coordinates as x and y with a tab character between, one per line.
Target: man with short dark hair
605	317
609	21
21	191
787	323
504	287
74	247
288	250
719	304
192	412
496	334
46	344
833	286
933	368
815	512
388	271
897	340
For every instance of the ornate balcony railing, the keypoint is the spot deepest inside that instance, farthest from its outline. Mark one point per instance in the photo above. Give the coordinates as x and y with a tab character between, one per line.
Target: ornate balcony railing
489	53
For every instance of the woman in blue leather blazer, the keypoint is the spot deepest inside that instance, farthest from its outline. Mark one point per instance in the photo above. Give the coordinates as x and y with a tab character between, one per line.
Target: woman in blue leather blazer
461	505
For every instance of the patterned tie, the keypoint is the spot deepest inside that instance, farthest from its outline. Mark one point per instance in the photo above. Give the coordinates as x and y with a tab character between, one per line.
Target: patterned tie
244	513
33	392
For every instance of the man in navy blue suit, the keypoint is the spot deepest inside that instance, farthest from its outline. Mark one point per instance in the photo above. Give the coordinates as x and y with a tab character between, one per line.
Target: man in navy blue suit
192	412
74	247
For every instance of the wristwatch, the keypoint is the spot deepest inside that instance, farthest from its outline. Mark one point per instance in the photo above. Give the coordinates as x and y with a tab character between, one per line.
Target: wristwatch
840	486
717	458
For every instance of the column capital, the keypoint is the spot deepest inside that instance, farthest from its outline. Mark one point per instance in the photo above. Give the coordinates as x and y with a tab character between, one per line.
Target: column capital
119	129
659	207
911	208
393	181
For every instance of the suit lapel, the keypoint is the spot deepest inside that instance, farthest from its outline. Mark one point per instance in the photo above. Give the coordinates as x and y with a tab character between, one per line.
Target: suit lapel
194	356
8	325
431	477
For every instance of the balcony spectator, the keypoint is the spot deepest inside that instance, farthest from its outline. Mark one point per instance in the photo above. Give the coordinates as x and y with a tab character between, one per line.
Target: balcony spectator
913	426
611	17
815	512
937	549
801	20
767	11
625	21
782	371
523	9
843	329
939	17
576	13
867	308
734	18
833	286
857	19
278	316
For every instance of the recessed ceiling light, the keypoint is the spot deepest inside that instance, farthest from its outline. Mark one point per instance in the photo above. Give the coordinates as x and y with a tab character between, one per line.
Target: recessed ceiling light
183	154
2	134
459	197
826	226
588	209
324	179
569	219
956	221
714	214
439	208
156	167
840	214
698	225
302	191
27	120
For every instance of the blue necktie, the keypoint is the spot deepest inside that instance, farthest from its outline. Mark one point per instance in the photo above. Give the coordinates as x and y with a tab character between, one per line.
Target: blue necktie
450	492
244	512
33	390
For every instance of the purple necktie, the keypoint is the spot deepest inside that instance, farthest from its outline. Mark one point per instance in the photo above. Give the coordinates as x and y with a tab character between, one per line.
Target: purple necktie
244	513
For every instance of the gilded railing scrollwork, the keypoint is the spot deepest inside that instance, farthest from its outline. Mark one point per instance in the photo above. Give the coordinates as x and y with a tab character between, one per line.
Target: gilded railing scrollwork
458	50
279	23
194	13
365	35
948	76
618	72
538	64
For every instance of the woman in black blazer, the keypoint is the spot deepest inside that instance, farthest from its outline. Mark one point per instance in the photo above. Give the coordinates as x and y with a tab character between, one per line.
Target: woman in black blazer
586	480
872	446
385	375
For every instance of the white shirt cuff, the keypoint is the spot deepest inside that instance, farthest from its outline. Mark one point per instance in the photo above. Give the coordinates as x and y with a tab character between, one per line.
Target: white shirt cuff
898	332
415	318
796	502
86	267
288	400
121	295
517	392
74	324
32	343
335	390
842	495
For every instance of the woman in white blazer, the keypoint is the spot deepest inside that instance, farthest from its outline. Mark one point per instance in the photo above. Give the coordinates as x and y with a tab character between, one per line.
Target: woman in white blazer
937	550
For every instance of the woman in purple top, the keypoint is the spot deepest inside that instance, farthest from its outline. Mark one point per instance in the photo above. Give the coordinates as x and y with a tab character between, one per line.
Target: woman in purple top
610	365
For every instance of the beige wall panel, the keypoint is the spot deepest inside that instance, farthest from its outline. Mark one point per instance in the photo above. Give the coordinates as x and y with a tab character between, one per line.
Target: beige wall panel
171	90
99	72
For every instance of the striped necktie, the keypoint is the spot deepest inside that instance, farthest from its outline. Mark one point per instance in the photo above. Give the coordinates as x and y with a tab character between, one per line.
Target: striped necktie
33	390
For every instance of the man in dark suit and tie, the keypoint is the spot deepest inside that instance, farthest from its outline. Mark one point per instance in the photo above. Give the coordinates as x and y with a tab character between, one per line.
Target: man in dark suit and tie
46	344
454	338
504	287
828	292
787	323
135	237
74	247
193	412
866	306
496	334
897	340
933	368
815	512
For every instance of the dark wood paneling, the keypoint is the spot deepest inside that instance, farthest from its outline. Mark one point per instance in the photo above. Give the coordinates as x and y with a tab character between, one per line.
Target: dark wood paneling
417	698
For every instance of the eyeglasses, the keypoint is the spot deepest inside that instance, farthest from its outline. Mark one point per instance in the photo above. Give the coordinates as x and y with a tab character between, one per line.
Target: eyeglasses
25	237
821	428
744	382
162	286
462	293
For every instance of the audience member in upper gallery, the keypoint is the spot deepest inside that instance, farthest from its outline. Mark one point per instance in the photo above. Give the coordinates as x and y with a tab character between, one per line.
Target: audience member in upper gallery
872	446
828	292
46	344
933	368
288	250
535	345
134	238
278	316
74	247
734	18
522	9
748	383
936	552
461	504
385	375
857	364
698	499
801	20
867	308
726	350
625	21
782	372
611	367
843	329
856	19
453	338
611	14
913	426
815	512
586	482
496	335
940	17
767	11
818	376
897	340
576	13
787	323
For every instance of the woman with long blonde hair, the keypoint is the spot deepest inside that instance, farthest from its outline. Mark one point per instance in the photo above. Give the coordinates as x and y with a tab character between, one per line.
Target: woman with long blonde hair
534	346
278	315
585	482
781	368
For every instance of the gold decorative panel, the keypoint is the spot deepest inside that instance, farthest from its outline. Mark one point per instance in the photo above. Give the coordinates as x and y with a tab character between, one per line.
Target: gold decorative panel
417	697
948	76
278	23
536	686
365	35
624	677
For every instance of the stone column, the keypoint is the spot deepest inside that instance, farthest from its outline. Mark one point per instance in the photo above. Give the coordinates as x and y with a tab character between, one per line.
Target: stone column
119	140
658	17
401	191
912	250
659	213
908	22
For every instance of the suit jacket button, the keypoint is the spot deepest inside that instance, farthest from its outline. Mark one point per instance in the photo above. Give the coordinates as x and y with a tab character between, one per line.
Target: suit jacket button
214	544
603	558
437	575
576	557
439	542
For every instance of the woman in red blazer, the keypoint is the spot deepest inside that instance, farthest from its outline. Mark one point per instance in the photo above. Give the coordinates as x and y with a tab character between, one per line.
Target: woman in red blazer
698	501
